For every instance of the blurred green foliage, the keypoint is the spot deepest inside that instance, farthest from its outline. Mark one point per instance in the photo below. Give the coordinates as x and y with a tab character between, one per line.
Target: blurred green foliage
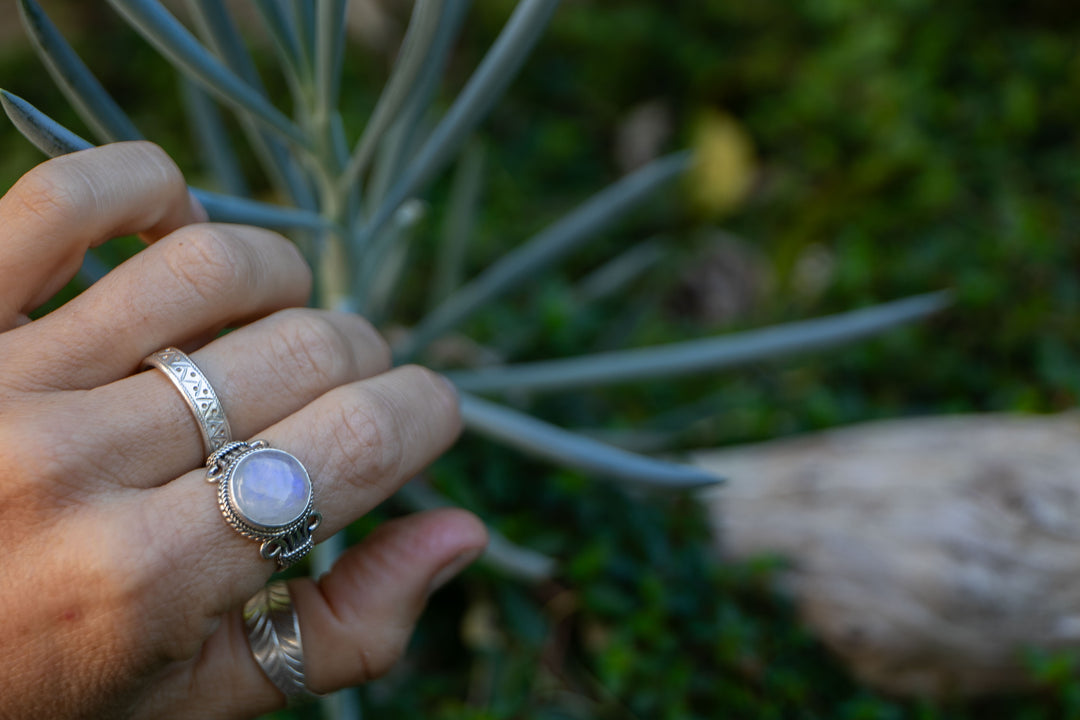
904	146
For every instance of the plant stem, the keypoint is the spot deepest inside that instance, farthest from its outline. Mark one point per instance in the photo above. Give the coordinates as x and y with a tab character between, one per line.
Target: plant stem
333	258
333	282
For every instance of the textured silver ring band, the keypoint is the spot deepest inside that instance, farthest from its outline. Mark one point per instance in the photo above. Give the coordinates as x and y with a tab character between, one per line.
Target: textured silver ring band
273	632
197	392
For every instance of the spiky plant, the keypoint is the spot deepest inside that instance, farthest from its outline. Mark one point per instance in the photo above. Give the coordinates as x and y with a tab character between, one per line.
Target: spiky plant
353	212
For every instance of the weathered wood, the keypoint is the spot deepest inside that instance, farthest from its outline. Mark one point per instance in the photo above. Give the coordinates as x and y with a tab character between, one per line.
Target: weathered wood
928	553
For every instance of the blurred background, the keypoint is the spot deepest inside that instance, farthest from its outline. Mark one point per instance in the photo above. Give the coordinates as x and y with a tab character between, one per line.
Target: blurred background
849	153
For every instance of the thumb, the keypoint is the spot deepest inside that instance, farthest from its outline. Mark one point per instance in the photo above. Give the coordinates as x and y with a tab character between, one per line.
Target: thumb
367	604
355	621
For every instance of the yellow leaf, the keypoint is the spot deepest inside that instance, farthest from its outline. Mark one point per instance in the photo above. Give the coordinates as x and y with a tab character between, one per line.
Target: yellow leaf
724	166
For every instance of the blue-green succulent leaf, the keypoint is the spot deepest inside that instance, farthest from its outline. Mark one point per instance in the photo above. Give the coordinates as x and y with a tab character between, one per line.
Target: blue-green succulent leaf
220	33
543	249
303	15
715	353
400	141
226	208
329	51
543	440
180	47
459	224
94	105
617	273
281	167
282	32
212	139
499	66
339	143
91	270
54	139
415	49
47	135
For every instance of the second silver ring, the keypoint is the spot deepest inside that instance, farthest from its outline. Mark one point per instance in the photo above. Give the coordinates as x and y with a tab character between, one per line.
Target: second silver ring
198	393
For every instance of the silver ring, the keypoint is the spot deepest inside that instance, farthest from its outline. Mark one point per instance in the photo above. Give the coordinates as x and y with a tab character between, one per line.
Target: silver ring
197	392
265	494
273	632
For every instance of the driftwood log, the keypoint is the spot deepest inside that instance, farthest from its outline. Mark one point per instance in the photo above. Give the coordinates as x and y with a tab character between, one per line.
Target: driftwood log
929	554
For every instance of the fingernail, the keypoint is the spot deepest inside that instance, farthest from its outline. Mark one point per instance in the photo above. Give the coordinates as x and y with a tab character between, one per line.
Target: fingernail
454	567
198	212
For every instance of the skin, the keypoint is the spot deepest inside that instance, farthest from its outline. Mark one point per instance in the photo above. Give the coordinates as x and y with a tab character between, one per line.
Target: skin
120	582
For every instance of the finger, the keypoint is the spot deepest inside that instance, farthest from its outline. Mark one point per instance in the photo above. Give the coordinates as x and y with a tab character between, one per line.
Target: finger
355	621
70	203
189	284
359	443
262	373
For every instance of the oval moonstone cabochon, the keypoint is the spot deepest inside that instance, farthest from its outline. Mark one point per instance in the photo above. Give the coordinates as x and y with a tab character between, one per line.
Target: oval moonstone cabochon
269	487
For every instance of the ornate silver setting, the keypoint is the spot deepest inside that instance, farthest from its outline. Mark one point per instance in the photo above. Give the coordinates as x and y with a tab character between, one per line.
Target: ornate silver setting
286	543
198	394
273	632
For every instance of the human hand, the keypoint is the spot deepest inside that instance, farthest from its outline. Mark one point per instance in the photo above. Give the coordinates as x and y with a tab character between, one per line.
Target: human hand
121	585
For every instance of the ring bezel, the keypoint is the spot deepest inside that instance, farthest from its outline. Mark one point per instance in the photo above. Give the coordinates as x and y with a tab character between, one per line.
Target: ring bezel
287	543
228	488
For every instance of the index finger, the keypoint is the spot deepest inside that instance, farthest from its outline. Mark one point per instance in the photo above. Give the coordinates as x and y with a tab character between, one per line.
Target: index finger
66	205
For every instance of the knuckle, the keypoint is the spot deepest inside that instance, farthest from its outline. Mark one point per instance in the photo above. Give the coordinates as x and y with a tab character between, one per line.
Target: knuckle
307	344
439	395
35	453
43	472
53	192
293	259
207	262
376	345
365	436
18	476
152	155
375	661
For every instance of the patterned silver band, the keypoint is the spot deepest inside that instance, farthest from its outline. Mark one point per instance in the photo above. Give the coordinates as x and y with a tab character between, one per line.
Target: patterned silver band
197	392
273	632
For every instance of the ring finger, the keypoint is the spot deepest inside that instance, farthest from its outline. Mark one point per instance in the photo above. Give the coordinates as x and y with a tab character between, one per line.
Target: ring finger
142	430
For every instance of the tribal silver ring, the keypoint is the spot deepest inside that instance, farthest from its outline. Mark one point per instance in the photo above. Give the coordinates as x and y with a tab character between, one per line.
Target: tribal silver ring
265	494
274	635
197	392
